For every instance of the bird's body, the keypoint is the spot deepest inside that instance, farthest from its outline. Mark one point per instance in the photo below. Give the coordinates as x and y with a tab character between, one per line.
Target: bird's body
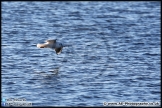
53	45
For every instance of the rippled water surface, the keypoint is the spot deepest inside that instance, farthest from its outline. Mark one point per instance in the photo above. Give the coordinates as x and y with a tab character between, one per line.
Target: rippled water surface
113	53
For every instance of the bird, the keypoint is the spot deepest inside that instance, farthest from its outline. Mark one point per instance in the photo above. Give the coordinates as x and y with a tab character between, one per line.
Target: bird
53	45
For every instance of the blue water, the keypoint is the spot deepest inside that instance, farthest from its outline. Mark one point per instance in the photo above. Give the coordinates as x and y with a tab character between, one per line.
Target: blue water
114	54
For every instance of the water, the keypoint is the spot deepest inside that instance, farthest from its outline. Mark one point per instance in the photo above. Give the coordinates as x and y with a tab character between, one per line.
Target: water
114	57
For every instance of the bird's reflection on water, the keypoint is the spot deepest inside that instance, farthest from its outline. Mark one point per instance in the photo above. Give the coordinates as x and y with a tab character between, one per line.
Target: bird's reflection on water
48	74
55	71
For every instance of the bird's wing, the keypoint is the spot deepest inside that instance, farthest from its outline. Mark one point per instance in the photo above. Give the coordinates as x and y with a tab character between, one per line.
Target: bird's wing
58	50
42	45
51	41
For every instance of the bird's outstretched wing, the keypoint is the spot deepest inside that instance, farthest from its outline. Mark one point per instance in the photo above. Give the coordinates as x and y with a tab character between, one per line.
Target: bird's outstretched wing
42	45
51	41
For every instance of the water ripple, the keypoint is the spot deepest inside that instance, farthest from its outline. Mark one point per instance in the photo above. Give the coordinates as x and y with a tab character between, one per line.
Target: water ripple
114	53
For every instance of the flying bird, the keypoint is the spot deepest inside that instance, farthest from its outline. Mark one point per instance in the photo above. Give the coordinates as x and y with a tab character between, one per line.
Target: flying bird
53	45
